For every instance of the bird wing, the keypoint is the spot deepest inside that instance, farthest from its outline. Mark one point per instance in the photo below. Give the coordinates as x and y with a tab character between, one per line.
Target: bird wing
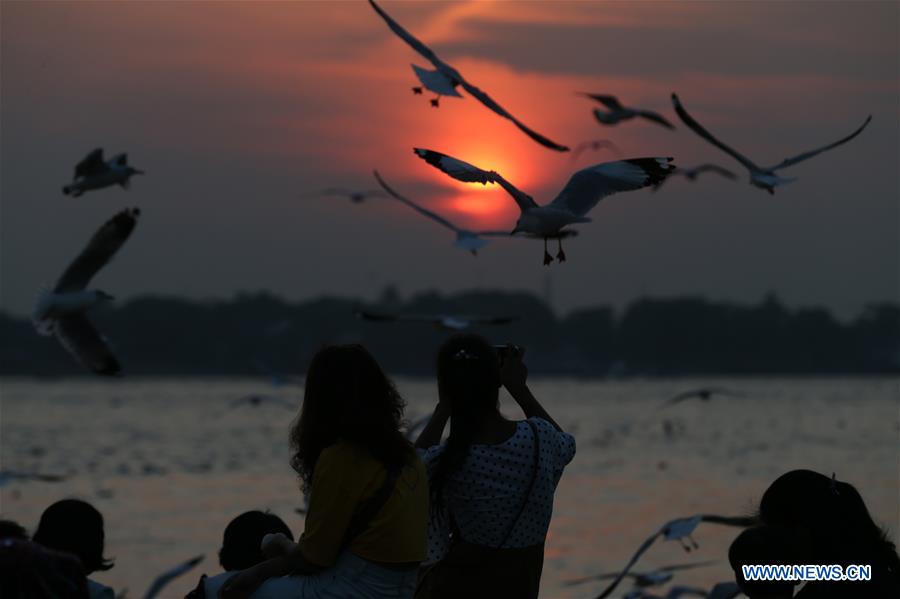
806	155
469	173
738	521
610	102
424	211
656	118
681	397
99	251
454	75
485	99
715	168
590	185
699	130
92	164
634	558
456	168
169	575
76	333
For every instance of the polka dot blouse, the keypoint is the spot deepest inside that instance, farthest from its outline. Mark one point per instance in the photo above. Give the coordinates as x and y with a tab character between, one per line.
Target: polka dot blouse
486	493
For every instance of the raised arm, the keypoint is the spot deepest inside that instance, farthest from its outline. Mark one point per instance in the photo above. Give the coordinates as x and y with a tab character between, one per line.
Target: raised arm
514	376
431	434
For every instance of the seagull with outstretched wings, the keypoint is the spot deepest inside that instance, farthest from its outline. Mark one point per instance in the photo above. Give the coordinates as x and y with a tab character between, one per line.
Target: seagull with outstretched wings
584	190
677	530
61	312
168	576
445	79
93	172
703	394
595	145
450	322
466	239
615	113
649	578
764	177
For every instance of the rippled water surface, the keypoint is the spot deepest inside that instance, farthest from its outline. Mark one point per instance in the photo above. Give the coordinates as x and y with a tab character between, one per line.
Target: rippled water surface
170	462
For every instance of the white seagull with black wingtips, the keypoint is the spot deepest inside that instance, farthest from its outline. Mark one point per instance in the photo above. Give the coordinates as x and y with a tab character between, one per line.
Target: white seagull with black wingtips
95	173
445	79
763	177
584	190
61	312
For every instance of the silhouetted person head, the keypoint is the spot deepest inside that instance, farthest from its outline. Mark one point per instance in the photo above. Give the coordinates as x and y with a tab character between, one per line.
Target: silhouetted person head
833	517
243	538
764	545
75	527
12	530
348	397
468	373
31	571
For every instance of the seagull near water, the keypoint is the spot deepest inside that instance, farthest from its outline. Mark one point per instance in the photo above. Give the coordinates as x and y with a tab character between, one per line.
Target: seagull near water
677	530
466	239
448	322
445	79
61	312
354	195
650	578
95	173
764	177
703	394
616	113
691	173
168	576
584	190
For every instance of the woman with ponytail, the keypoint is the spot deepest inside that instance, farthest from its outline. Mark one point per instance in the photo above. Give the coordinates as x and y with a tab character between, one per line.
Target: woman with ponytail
492	481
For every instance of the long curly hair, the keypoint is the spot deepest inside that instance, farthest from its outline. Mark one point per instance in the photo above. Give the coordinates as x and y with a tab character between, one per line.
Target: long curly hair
348	397
468	372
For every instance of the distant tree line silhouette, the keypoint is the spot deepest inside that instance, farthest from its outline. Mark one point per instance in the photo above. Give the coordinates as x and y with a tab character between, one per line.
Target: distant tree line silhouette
259	334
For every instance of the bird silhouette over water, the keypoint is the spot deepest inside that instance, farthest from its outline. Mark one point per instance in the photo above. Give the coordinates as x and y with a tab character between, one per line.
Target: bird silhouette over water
61	312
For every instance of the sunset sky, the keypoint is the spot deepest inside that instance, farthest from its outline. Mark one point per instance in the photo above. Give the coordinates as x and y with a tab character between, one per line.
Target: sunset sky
237	109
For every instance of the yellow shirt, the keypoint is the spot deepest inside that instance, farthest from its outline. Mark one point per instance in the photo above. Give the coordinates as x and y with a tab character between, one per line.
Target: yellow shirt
344	477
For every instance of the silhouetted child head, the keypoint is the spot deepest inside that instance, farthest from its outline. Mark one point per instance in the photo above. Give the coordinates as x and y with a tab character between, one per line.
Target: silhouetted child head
243	537
12	530
764	545
75	527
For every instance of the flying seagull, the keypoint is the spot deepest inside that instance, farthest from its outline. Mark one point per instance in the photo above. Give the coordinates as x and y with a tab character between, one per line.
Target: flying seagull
677	530
61	312
445	79
595	145
616	113
450	322
703	394
95	173
357	196
571	205
644	579
169	575
468	240
763	177
693	172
